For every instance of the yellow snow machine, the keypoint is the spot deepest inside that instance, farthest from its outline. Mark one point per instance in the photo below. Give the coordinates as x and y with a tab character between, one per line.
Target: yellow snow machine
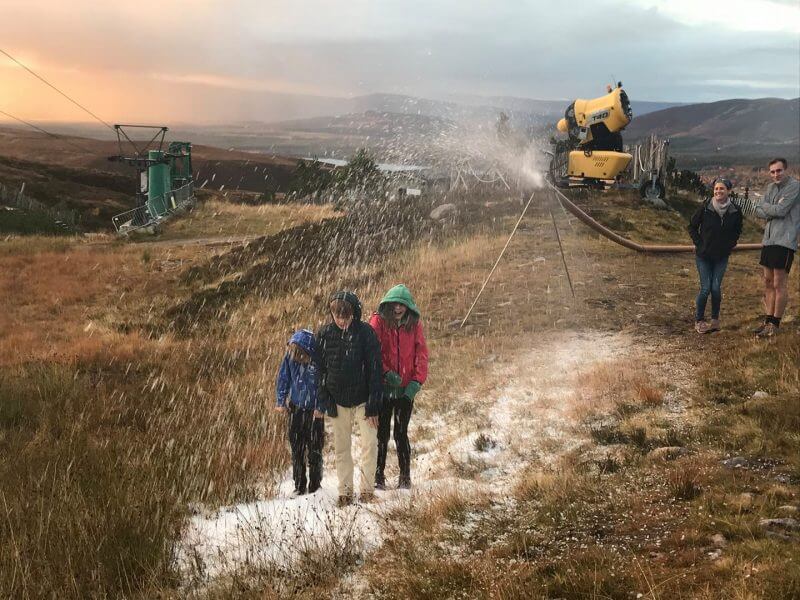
592	155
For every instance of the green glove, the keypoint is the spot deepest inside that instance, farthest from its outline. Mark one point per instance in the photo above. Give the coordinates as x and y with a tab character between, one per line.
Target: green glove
393	379
411	389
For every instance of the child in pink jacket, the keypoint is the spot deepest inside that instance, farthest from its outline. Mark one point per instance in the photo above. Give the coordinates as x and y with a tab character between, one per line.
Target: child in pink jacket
404	357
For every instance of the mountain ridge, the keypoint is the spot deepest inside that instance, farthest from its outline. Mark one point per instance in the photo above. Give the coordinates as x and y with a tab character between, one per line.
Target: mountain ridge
733	129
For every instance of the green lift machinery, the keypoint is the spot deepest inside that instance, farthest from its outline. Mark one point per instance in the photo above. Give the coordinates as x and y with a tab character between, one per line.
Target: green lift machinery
165	182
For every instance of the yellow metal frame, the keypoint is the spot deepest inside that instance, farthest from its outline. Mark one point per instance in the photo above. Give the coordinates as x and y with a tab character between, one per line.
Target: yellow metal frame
605	109
599	164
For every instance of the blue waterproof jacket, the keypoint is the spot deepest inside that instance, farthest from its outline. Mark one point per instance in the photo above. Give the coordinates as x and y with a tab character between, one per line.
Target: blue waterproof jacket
296	381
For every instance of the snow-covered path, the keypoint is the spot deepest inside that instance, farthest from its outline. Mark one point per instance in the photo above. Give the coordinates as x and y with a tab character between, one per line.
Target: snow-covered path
529	419
275	531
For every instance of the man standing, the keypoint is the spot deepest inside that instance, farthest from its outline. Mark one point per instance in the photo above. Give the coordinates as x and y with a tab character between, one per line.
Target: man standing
781	208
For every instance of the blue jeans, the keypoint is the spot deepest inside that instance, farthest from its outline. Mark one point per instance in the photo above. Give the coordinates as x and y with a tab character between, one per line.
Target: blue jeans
711	274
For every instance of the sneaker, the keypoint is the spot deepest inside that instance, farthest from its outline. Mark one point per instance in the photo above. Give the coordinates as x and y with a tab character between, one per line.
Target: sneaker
769	330
701	327
714	326
366	497
758	330
297	493
380	486
345	500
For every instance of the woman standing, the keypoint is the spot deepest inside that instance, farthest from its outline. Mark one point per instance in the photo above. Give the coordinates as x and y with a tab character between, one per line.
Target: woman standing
715	229
405	368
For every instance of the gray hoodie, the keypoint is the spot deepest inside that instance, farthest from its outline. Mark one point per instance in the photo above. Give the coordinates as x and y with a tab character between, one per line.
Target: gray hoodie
781	208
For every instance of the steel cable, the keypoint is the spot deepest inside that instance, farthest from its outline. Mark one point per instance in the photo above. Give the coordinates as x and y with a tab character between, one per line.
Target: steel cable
53	135
43	80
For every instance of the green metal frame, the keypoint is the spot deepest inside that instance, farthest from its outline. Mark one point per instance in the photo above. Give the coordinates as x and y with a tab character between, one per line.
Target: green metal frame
180	163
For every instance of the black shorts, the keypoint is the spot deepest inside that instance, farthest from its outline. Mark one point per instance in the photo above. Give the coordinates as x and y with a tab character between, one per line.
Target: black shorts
777	257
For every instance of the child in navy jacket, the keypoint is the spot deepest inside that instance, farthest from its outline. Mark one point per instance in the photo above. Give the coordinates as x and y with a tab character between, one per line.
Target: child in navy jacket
297	382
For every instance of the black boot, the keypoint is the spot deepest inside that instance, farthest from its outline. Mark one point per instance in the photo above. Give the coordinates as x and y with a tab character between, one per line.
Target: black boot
384	429
315	455
402	416
298	443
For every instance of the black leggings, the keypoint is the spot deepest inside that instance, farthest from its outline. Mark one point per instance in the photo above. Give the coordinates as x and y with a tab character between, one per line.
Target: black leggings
401	409
306	437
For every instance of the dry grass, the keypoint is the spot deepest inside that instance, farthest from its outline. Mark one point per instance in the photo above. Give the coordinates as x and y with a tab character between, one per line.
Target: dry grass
437	508
217	219
59	298
14	245
762	424
561	538
642	527
618	387
114	432
551	489
125	429
683	481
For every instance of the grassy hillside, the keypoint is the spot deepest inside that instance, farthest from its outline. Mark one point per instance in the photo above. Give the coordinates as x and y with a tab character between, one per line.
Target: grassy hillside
95	196
74	174
135	393
727	131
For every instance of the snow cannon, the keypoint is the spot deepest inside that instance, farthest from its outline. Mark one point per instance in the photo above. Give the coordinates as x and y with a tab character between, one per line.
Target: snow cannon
592	155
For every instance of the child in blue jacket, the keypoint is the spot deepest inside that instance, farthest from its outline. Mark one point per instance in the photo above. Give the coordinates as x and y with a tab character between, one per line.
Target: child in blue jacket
297	382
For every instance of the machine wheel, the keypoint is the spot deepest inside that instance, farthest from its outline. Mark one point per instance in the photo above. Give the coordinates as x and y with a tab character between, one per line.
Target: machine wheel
652	190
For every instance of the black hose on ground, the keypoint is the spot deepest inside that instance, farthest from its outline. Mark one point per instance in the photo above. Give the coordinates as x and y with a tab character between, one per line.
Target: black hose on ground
625	242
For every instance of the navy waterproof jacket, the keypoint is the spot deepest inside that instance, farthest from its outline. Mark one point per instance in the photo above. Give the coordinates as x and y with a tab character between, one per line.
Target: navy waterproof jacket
349	363
715	237
296	381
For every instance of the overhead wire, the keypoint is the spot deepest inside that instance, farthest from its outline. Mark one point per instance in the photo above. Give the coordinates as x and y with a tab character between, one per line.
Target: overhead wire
53	135
43	80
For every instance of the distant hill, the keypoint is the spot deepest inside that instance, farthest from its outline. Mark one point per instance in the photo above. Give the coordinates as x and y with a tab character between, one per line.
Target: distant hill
390	136
74	173
726	131
298	125
470	108
550	108
392	125
91	153
370	122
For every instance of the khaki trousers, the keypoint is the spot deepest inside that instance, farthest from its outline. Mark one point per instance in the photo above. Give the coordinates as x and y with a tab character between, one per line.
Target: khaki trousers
342	425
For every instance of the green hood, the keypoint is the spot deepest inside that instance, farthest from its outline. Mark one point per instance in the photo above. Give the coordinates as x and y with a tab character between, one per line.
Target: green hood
401	294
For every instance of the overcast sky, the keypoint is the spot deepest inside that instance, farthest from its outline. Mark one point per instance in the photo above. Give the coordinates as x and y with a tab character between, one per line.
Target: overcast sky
208	60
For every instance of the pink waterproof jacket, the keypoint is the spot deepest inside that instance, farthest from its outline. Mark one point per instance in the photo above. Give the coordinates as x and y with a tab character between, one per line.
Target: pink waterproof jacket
403	352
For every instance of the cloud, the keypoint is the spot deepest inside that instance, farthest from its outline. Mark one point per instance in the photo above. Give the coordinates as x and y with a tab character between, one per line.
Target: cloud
731	15
751	84
193	55
237	83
